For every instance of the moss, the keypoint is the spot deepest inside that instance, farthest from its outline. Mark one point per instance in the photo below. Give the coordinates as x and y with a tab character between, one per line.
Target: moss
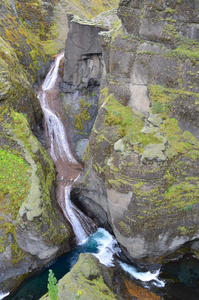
170	10
14	181
124	228
182	230
84	280
163	98
29	161
170	33
129	124
94	7
187	49
82	116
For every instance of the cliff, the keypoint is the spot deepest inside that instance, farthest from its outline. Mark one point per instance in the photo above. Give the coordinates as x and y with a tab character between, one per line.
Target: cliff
141	164
32	230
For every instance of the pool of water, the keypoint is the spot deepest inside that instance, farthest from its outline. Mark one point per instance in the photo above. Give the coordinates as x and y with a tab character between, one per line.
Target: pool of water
182	279
101	244
176	280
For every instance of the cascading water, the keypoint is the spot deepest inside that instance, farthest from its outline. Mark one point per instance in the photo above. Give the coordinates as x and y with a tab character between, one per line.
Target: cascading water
69	170
67	167
101	243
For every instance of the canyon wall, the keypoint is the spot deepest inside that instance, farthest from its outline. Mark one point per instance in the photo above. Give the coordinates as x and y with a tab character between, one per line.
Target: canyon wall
32	229
141	164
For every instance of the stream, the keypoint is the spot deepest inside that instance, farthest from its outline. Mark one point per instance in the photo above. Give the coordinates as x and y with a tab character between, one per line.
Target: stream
175	280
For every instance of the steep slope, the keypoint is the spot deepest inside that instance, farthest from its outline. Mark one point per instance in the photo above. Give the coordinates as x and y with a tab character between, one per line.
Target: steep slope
141	173
32	230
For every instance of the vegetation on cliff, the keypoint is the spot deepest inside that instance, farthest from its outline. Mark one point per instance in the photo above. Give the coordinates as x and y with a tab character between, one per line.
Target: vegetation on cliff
144	144
84	281
29	220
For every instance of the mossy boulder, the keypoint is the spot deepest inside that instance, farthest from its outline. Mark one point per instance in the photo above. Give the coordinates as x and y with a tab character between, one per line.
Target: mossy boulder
84	281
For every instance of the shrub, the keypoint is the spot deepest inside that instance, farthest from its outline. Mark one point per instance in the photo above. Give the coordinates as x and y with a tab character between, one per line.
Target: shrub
52	286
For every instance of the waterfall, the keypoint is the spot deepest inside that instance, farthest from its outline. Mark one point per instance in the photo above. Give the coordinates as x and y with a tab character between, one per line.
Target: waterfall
68	169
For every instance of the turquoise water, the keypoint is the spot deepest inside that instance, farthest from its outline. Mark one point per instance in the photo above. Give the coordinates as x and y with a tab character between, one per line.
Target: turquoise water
36	286
182	279
101	244
178	280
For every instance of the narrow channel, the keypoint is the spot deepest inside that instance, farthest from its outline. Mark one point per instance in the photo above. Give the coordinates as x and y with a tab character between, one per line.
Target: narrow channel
89	239
68	169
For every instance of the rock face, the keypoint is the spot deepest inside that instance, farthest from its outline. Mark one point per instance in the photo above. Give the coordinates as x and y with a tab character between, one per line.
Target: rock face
148	20
83	67
32	230
144	143
85	281
84	8
83	55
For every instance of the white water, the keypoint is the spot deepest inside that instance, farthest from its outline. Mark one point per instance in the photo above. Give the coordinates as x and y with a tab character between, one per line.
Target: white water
143	276
76	218
51	77
107	247
60	152
53	125
106	243
3	295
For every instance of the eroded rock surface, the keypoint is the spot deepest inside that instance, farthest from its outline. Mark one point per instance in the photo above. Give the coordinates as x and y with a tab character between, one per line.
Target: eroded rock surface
32	230
85	281
83	55
141	145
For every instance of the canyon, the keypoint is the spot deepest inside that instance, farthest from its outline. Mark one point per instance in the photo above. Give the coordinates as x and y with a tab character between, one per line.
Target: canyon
128	91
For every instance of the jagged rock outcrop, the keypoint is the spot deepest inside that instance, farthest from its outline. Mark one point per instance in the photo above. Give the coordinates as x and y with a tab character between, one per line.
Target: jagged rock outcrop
83	55
83	68
144	144
84	8
85	281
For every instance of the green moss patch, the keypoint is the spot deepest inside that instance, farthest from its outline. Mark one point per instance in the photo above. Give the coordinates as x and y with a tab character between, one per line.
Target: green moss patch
129	124
84	281
163	98
82	116
14	181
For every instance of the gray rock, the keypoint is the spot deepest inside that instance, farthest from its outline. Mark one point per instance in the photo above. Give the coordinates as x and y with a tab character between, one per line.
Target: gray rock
81	146
83	54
